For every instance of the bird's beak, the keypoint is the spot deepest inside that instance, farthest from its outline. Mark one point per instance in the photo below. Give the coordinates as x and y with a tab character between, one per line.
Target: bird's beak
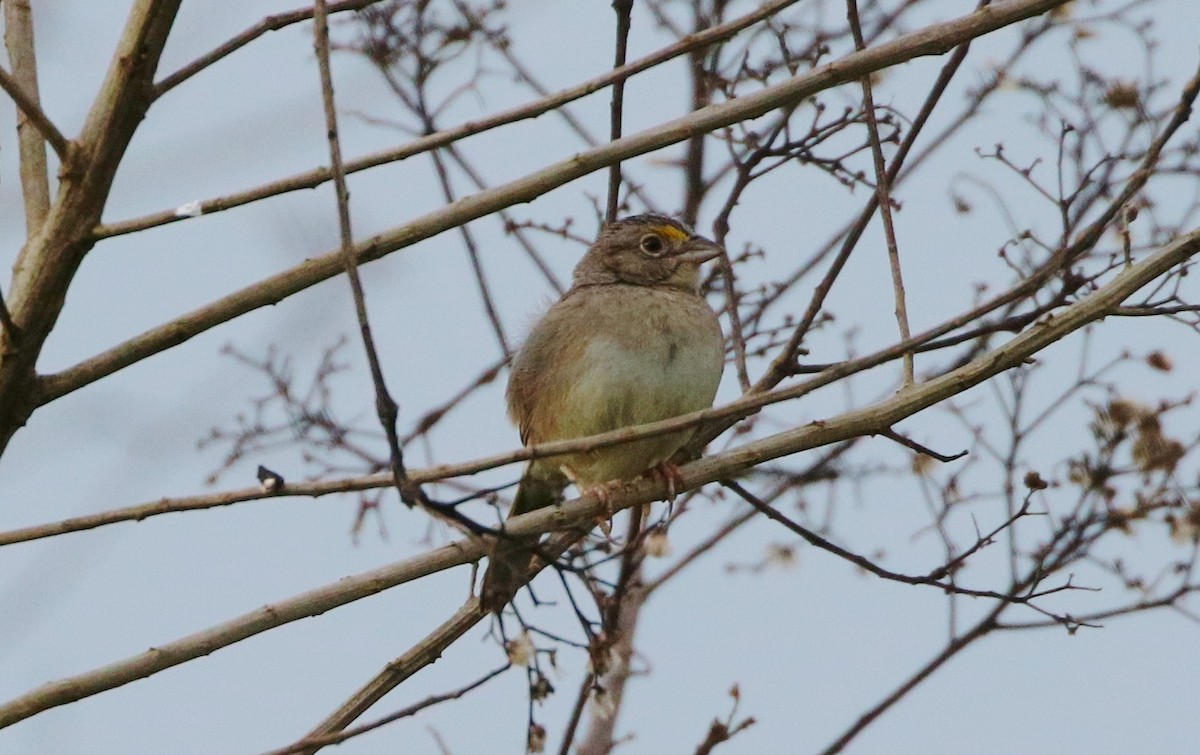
698	250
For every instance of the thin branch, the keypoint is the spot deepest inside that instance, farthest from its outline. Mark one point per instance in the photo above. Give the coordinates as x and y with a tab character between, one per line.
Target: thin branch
313	743
915	446
954	647
581	698
1084	242
311	603
780	367
143	511
527	77
270	23
510	223
35	176
624	11
468	239
868	565
29	106
704	546
385	405
425	652
620	616
883	191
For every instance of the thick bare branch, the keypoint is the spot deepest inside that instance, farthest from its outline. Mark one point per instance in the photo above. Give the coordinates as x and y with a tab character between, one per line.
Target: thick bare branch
47	264
200	644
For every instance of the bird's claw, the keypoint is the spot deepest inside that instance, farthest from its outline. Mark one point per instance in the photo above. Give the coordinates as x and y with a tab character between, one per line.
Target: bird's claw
671	474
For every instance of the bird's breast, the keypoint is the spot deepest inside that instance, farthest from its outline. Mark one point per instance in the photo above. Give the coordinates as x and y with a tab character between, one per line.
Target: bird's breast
611	357
658	357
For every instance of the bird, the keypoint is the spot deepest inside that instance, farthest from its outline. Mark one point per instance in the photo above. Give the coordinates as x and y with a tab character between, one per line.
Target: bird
632	341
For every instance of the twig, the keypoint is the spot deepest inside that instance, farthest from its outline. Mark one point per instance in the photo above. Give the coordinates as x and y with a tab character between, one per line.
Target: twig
581	698
624	10
810	474
385	405
33	111
425	652
621	614
704	546
197	645
866	564
722	731
311	743
891	434
270	23
883	191
464	231
528	78
428	650
953	648
510	224
1085	241
431	417
780	366
35	176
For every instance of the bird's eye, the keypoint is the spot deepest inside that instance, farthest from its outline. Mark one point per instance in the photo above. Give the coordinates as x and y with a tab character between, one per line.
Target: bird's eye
652	244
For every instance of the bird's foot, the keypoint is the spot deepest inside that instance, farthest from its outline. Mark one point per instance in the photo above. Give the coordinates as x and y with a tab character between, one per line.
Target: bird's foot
604	494
671	474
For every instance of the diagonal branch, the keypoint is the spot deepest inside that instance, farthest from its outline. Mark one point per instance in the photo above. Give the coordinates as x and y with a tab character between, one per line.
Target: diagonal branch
933	40
271	23
418	657
624	11
883	192
584	510
314	178
309	743
385	405
30	108
723	416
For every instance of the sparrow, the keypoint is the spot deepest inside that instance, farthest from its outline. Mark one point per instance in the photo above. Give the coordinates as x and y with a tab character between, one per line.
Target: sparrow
631	342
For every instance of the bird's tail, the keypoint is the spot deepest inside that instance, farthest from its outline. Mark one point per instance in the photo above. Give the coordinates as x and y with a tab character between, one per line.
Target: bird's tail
541	486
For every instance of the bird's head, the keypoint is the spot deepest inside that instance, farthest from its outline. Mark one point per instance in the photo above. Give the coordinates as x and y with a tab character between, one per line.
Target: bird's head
646	250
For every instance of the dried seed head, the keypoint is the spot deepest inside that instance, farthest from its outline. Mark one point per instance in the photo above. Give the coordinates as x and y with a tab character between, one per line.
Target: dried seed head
1034	481
520	651
1160	361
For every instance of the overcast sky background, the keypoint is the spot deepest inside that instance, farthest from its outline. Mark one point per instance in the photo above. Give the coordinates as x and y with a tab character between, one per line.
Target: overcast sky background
811	646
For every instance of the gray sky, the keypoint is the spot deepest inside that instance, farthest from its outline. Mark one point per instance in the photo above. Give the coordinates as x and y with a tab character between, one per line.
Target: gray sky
811	646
